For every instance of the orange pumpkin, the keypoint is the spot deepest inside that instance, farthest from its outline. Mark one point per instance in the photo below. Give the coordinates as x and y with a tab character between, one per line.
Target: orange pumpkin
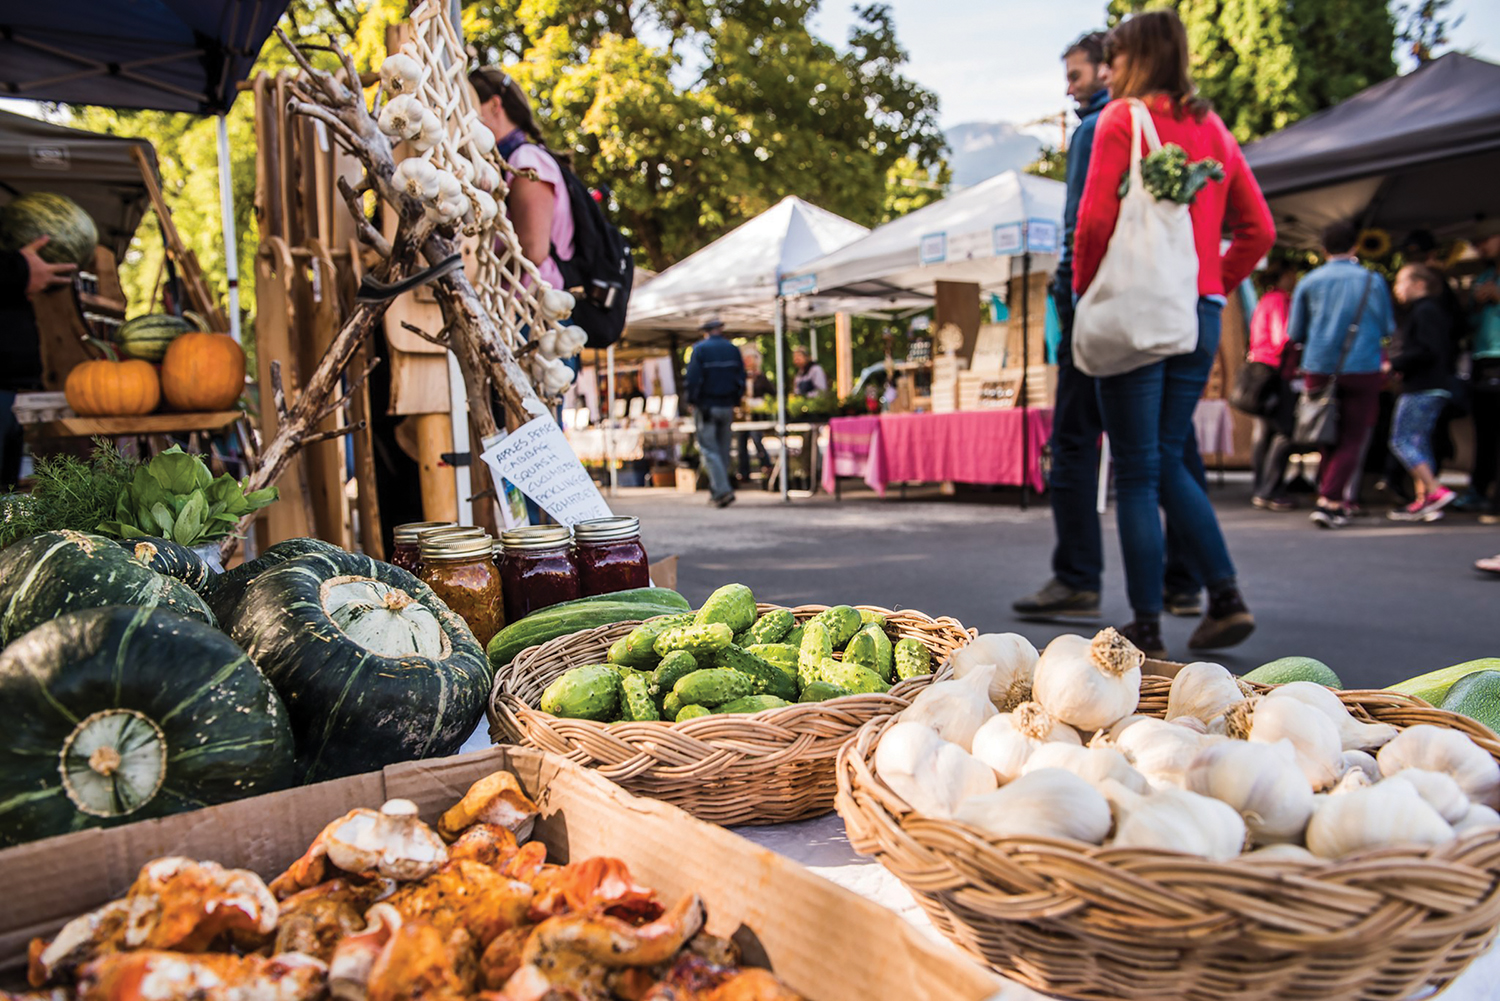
203	372
112	388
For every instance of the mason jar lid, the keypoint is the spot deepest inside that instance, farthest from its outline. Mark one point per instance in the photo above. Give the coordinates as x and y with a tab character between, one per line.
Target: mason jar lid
456	546
607	529
535	537
408	533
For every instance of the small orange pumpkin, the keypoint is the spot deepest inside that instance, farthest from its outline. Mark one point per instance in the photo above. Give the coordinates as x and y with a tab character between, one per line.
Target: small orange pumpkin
108	388
203	372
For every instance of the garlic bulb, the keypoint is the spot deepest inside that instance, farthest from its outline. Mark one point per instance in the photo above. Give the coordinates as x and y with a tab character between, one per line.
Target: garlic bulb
933	775
1107	736
556	304
1160	751
955	709
486	177
417	177
482	138
1175	820
430	132
1014	660
1354	778
401	74
1092	764
1006	741
1353	734
1192	723
1320	752
1049	803
546	344
1089	683
1478	818
1363	761
1263	783
571	340
1388	813
1203	691
1439	790
401	118
1281	854
1439	749
462	169
449	186
485	204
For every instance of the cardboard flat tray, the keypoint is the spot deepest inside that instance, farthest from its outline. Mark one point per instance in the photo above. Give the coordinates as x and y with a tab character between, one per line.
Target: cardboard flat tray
825	942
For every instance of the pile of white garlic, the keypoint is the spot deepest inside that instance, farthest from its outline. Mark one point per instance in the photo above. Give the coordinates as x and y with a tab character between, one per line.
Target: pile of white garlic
1026	745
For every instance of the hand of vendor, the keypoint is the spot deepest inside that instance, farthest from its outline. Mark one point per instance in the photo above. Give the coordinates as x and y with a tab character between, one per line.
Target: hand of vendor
41	274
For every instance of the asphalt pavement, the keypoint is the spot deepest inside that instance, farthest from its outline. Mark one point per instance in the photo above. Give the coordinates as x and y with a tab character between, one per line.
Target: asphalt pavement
1377	601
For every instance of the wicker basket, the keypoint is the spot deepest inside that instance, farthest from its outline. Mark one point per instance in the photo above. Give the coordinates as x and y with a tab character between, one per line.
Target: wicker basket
769	768
1109	923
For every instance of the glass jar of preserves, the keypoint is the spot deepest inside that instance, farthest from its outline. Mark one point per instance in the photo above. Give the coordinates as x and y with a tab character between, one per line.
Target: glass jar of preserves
610	555
406	550
538	569
459	567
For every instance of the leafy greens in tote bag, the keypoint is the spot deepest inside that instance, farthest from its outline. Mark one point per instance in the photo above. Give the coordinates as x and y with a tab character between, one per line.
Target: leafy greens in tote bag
1142	305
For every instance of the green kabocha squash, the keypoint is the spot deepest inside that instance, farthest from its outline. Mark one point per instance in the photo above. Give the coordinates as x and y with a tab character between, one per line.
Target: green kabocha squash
225	591
45	575
170	558
124	713
371	664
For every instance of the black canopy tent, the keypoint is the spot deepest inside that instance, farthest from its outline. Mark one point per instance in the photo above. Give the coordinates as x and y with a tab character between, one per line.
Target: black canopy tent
1416	151
96	171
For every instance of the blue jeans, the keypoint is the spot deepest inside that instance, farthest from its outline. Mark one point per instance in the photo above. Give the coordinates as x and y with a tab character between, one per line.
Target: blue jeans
1073	484
1149	416
1411	428
714	441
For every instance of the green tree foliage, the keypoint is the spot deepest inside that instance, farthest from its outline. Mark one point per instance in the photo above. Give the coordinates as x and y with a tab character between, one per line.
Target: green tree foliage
698	114
1050	162
1267	63
1424	27
910	186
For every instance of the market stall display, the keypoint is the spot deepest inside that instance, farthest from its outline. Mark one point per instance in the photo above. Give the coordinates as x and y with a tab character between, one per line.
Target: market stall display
1126	836
766	760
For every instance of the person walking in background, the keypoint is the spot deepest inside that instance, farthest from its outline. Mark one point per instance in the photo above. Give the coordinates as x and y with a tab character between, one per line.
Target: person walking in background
810	379
1423	358
757	388
1073	483
1328	301
1148	412
1484	386
1268	345
715	385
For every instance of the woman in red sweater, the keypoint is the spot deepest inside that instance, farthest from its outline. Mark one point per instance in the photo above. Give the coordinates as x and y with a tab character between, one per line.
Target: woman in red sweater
1148	412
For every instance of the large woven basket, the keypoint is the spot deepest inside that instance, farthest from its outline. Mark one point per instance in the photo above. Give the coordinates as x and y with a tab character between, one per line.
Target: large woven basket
767	768
1111	923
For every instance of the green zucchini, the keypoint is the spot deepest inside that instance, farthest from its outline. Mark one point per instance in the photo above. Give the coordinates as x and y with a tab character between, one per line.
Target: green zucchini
568	617
1476	696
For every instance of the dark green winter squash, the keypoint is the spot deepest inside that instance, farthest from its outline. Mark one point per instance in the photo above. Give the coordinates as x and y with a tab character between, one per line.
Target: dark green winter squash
170	558
45	575
371	664
225	591
118	714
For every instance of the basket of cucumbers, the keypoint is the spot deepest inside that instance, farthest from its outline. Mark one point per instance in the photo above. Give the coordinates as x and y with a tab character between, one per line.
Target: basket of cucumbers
734	712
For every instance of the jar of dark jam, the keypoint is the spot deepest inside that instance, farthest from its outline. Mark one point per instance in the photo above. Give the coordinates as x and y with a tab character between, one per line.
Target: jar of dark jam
406	547
538	569
460	568
610	555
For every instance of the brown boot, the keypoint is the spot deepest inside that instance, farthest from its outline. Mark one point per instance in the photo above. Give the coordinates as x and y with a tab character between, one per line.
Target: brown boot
1227	623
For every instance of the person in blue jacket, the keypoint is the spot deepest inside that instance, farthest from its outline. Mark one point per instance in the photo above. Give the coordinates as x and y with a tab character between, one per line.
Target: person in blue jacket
715	385
1078	557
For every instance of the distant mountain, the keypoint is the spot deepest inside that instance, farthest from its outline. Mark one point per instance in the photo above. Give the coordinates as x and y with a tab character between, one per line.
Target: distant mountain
979	150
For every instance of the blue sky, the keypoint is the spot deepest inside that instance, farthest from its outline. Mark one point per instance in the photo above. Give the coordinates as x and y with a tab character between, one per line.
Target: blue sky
997	60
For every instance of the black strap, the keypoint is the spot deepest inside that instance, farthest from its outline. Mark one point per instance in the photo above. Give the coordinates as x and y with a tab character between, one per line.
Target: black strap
373	290
1353	330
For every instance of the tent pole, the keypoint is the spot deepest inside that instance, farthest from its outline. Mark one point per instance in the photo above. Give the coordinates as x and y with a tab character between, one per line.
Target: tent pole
226	213
1025	370
609	421
781	392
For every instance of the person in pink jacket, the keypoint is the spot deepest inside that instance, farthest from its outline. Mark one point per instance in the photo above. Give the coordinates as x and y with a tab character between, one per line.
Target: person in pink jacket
1268	345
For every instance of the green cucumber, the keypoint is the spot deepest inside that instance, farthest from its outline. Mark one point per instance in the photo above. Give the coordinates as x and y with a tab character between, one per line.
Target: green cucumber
732	604
1279	672
713	686
871	648
637	703
700	640
912	659
1476	696
820	691
691	711
753	704
570	617
856	679
674	666
1433	686
770	628
768	678
817	646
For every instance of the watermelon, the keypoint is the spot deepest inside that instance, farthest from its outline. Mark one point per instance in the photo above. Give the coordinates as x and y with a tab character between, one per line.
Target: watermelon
45	575
42	213
373	667
119	714
148	337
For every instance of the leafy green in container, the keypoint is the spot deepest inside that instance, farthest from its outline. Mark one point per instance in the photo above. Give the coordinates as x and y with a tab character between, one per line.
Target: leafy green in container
174	496
1169	176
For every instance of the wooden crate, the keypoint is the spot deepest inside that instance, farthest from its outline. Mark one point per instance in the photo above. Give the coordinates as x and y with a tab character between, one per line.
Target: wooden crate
1002	391
945	375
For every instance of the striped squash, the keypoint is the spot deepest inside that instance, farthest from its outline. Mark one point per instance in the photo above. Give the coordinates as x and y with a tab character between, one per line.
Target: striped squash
45	575
43	213
371	664
119	714
147	337
170	558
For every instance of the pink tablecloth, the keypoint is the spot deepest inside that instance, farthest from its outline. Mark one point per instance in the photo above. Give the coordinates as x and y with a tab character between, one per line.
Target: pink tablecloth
977	447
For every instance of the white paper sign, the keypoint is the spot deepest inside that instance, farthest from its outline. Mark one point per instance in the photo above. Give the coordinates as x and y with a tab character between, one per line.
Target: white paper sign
539	461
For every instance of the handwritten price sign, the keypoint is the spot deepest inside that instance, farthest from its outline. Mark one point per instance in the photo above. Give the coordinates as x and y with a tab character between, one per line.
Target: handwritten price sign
539	461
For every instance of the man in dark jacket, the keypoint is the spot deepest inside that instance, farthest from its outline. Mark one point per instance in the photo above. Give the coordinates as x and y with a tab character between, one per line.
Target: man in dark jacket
715	386
1078	557
23	274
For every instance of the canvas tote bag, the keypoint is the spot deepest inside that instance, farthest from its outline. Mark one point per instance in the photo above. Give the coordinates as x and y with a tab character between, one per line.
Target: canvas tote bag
1142	305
